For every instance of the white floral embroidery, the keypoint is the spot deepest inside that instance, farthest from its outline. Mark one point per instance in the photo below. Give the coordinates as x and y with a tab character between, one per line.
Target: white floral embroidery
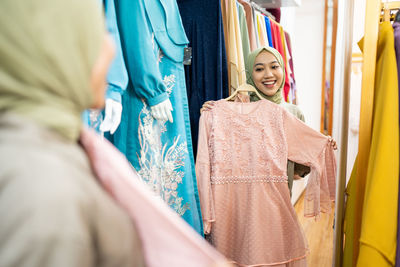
159	164
169	82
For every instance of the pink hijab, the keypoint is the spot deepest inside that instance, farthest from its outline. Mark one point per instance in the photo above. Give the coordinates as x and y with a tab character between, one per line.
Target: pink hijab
167	239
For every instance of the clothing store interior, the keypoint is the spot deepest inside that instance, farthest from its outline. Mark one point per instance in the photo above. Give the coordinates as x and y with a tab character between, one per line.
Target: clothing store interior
212	133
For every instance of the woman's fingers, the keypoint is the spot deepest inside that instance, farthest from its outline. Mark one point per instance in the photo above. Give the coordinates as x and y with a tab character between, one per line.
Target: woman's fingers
332	142
207	106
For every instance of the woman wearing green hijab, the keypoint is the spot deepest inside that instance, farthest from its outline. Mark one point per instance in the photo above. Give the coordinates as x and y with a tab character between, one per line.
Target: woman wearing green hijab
54	56
265	71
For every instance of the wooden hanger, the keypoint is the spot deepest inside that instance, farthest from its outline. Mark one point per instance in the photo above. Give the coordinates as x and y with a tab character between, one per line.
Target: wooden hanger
244	88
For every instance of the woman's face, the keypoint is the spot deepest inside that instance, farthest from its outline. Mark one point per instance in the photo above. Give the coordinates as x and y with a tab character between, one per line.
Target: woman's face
267	73
100	70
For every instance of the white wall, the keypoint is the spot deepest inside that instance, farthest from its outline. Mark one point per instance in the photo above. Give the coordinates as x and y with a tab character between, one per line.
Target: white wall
355	81
305	25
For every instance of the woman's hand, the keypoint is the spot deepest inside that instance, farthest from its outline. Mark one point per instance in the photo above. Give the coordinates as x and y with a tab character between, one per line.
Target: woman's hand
207	106
332	142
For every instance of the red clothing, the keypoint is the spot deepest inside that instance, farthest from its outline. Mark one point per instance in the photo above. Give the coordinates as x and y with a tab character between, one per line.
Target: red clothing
278	45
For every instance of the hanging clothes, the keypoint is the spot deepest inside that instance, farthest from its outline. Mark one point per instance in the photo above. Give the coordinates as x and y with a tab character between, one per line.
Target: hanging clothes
379	219
254	20
286	88
348	224
278	41
117	77
153	42
396	31
244	33
250	24
292	78
269	34
225	16
242	179
207	76
166	239
276	36
260	29
238	73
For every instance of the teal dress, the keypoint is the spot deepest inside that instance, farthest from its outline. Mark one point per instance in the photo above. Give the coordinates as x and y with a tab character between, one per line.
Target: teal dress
117	77
153	42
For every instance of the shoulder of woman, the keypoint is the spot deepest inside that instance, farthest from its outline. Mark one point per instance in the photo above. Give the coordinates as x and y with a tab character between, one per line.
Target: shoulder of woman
294	110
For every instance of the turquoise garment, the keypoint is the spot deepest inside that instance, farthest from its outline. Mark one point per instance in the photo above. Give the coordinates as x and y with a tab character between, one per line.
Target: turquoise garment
269	31
117	77
153	39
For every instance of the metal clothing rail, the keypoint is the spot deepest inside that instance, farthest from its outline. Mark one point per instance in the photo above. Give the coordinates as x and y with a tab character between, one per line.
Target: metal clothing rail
258	8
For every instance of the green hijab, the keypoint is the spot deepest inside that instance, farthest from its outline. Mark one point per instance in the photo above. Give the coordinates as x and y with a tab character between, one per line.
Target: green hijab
47	51
277	97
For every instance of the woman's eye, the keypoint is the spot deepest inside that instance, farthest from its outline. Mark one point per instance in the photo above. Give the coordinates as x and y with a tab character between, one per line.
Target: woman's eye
259	69
275	67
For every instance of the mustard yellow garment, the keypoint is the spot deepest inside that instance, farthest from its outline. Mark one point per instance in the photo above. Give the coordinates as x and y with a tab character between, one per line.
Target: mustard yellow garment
348	226
237	70
379	220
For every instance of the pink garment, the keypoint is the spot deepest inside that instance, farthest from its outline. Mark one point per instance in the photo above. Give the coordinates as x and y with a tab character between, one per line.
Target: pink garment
166	238
241	172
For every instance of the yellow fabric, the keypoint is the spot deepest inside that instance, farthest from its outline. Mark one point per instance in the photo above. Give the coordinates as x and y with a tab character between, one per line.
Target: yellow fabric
225	13
370	256
282	32
348	226
261	36
379	221
359	184
47	51
237	69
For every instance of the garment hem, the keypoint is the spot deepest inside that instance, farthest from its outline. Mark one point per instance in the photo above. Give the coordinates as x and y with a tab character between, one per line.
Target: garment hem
270	264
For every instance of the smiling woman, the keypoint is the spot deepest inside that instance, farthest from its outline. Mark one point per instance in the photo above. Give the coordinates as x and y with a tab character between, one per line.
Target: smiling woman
267	73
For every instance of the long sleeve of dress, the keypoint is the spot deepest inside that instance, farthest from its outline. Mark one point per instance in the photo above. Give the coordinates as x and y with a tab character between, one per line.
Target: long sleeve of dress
309	147
137	45
203	174
117	77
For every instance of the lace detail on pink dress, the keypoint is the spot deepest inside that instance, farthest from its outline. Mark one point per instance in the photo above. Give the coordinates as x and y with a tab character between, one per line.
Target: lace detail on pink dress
248	179
241	171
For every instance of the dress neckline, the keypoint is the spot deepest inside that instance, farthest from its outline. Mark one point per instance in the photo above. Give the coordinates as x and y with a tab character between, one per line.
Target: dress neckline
257	104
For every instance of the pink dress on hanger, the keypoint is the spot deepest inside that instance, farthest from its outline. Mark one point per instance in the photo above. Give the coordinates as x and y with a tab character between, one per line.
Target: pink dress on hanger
241	172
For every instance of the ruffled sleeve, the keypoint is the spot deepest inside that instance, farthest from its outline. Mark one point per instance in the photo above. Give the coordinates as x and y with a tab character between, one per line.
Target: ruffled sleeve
311	148
203	172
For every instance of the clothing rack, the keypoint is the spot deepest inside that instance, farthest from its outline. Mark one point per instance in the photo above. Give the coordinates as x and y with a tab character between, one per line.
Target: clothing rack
372	15
258	8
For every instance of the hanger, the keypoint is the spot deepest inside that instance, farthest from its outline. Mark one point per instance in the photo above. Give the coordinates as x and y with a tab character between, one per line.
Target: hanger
244	88
386	12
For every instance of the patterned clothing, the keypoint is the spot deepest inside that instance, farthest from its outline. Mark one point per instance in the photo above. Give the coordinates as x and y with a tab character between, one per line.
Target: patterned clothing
153	40
241	171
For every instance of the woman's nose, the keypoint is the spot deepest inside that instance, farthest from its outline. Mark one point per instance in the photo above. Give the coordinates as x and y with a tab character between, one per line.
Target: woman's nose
268	73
